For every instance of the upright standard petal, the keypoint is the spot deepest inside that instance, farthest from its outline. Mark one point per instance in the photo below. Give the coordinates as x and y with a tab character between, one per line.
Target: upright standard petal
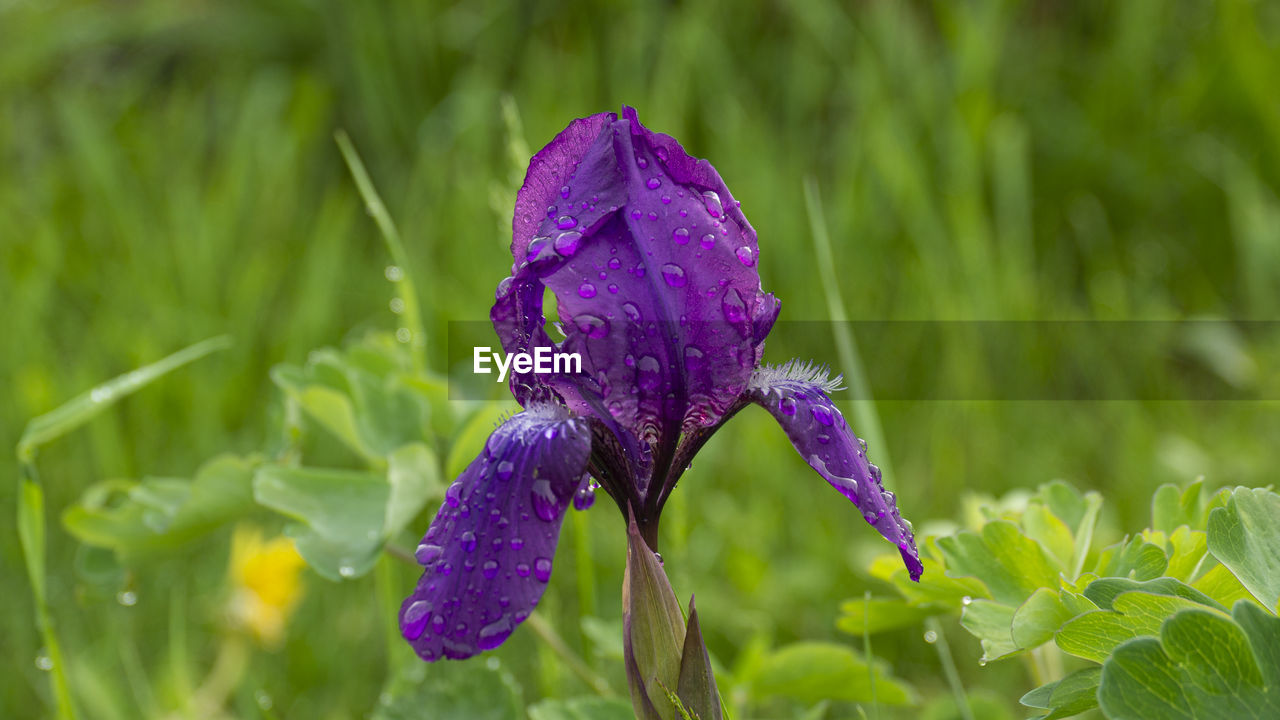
488	553
797	397
653	267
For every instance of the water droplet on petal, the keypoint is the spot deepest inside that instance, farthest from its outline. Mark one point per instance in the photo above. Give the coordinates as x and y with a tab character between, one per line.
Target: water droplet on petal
542	569
467	541
692	359
536	247
415	619
613	289
544	500
493	634
567	243
653	183
564	192
824	438
650	378
674	275
633	312
444	568
522	569
564	222
680	235
505	469
746	256
587	290
708	241
787	406
453	494
712	201
590	325
490	569
822	414
584	498
642	163
437	624
735	311
516	543
427	552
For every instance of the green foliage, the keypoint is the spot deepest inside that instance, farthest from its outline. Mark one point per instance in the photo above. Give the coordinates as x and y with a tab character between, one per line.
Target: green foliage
473	690
813	671
584	708
1199	664
1150	613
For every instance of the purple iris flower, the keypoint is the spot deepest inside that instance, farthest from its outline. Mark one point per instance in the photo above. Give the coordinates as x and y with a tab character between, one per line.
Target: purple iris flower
653	268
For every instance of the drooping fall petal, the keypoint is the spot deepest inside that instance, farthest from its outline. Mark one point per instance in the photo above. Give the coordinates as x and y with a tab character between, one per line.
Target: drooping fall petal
488	554
796	395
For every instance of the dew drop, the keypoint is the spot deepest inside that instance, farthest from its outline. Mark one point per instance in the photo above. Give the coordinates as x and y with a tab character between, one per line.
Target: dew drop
674	275
347	571
490	569
437	624
735	311
692	359
493	634
653	183
427	552
403	335
43	661
787	406
587	290
536	247
930	636
613	289
564	192
823	438
393	273
415	619
966	600
712	201
544	500
567	243
453	495
650	379
633	312
505	469
467	541
614	263
127	598
444	568
708	241
542	569
590	325
564	222
822	414
642	163
522	569
680	235
584	498
746	256
516	543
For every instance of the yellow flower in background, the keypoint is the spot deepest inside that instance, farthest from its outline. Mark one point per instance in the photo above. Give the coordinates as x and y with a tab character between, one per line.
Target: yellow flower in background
265	583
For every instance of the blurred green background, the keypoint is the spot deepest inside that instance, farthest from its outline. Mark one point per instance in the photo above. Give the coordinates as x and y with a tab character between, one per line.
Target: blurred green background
169	174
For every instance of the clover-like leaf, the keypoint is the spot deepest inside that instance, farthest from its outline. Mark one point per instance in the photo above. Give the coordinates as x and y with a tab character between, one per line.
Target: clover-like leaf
1069	696
1245	536
1203	664
812	671
162	513
1095	635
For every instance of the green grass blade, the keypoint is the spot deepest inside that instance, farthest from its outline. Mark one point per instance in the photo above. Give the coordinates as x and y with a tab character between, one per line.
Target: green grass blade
864	404
31	525
402	277
85	406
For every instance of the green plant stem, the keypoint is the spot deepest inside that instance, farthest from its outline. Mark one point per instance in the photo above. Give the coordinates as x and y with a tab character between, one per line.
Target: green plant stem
931	624
866	650
544	630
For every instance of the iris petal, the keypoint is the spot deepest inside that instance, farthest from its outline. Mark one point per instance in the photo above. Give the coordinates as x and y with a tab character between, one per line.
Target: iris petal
823	438
488	553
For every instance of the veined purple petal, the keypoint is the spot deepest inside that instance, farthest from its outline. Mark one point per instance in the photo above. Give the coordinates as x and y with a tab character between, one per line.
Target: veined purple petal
488	553
796	395
672	342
